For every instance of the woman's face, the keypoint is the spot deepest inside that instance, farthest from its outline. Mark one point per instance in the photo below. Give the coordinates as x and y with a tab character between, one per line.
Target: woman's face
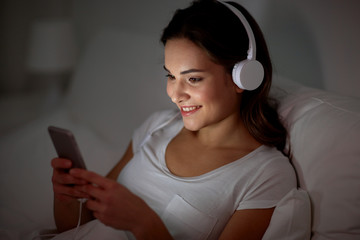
203	90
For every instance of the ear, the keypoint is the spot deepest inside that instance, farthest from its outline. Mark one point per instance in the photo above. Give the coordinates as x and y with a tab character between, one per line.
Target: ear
237	89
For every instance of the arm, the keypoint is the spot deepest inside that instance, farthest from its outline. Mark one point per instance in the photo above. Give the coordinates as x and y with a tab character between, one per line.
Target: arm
247	224
66	206
114	173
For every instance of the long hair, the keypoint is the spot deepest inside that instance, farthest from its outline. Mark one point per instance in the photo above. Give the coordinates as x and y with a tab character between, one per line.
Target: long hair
216	29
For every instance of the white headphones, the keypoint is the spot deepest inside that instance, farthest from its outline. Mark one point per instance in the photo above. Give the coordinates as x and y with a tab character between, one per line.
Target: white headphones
249	73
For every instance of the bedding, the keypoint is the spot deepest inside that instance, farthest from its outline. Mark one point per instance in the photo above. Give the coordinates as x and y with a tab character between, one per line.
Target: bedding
324	135
291	219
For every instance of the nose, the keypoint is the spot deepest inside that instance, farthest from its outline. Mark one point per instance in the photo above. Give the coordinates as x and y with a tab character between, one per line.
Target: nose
177	91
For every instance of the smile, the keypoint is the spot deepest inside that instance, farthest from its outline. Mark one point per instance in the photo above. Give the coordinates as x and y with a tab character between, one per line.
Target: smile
189	110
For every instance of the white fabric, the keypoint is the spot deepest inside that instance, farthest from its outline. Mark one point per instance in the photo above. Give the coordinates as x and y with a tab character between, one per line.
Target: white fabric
199	207
291	219
324	131
93	230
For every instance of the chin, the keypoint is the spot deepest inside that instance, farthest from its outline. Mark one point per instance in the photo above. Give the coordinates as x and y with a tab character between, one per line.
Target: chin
192	129
191	126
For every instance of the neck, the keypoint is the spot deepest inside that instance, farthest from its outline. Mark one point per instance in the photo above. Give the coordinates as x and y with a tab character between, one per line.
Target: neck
229	132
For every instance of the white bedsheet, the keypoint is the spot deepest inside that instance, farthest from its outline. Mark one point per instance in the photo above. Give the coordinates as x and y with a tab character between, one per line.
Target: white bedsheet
93	230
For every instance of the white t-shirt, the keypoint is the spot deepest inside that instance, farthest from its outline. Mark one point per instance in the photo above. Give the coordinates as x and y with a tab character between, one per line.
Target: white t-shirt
193	207
199	207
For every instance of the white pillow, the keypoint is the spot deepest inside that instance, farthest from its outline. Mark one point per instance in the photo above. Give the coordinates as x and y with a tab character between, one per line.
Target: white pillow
324	131
291	218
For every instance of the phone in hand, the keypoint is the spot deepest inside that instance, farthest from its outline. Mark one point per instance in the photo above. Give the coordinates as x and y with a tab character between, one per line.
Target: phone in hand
66	146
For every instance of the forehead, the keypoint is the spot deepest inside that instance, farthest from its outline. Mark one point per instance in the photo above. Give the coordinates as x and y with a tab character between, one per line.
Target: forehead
181	51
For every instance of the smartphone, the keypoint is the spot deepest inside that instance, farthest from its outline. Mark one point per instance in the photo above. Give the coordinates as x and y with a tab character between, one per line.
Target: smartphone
66	146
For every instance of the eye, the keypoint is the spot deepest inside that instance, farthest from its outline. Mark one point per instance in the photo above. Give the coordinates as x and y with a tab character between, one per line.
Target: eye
170	77
195	79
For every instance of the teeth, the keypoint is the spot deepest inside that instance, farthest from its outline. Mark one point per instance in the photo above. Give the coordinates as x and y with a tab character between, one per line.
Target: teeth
188	109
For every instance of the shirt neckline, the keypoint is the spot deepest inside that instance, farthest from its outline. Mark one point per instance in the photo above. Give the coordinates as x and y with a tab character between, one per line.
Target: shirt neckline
178	128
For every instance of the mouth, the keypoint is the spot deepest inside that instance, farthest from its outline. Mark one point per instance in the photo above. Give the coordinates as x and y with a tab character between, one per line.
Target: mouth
188	110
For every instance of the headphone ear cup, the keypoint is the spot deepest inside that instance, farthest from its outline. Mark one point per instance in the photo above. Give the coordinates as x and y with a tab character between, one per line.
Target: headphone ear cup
248	74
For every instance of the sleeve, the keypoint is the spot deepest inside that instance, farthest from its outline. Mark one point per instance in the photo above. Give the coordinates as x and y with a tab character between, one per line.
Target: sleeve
269	184
149	125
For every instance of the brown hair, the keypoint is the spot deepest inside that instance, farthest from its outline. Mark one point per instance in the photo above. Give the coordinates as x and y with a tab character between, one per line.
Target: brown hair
216	29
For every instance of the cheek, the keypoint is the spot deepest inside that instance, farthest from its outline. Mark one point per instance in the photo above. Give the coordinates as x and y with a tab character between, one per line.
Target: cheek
202	95
221	97
168	89
209	94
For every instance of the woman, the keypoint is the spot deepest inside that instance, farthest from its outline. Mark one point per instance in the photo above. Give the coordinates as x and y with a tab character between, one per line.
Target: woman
213	169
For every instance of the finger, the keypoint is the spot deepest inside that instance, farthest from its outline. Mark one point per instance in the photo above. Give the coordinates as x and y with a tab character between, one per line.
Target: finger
94	205
91	177
61	163
63	190
91	190
61	177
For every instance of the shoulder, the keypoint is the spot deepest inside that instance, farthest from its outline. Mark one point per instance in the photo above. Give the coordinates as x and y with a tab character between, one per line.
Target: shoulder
273	164
160	117
270	177
152	123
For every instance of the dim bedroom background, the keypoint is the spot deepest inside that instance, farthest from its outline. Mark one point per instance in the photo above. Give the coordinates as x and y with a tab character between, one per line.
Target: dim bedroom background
116	83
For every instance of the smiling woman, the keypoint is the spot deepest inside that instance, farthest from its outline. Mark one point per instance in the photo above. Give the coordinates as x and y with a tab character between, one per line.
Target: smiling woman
211	169
228	47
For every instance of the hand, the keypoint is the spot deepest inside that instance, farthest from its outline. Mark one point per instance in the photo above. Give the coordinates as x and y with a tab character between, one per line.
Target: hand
111	203
63	182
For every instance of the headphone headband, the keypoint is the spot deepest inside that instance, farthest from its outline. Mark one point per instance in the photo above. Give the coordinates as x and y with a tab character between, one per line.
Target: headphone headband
252	44
249	73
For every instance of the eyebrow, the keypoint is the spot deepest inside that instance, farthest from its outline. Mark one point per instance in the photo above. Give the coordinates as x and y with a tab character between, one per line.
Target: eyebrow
186	71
